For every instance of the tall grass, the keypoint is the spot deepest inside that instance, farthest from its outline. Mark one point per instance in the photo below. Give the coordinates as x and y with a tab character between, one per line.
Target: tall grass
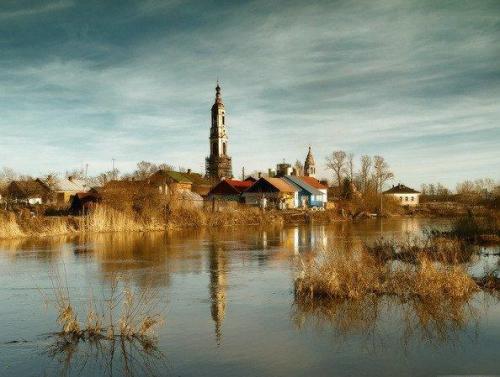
358	274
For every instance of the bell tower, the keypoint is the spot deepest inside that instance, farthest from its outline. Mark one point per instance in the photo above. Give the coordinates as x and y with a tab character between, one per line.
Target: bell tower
309	165
218	164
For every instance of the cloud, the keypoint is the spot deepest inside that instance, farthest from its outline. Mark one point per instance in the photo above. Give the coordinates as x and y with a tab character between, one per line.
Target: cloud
408	80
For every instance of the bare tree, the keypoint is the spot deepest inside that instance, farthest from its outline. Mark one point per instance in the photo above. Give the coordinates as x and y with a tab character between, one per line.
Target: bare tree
382	172
144	170
364	172
337	163
299	167
350	166
7	175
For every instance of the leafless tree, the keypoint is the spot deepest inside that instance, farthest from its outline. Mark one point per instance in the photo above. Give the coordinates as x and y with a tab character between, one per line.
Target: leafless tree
144	170
382	172
364	172
299	167
337	163
350	166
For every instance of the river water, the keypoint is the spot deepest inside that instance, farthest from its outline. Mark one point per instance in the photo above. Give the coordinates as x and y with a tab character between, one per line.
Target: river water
227	299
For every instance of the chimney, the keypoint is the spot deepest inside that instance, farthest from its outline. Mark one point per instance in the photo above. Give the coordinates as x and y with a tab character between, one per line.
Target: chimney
294	171
259	175
270	173
189	171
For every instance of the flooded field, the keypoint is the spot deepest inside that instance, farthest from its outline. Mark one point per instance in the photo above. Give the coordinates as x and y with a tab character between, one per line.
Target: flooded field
227	300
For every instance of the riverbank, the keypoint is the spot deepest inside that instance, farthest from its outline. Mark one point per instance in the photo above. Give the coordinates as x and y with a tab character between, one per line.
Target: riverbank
105	219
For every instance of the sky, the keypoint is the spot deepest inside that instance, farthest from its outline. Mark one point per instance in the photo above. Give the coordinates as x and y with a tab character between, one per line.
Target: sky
418	82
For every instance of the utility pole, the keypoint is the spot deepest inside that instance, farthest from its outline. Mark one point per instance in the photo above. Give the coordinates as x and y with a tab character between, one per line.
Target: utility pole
243	173
113	171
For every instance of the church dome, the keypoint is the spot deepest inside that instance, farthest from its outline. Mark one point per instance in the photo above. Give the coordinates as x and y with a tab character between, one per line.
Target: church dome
218	98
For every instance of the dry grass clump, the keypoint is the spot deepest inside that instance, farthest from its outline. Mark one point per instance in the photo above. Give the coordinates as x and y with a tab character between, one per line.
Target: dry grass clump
125	314
412	248
358	274
9	228
106	219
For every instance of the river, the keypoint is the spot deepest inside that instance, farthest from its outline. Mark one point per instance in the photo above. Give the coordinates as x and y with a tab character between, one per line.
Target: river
226	296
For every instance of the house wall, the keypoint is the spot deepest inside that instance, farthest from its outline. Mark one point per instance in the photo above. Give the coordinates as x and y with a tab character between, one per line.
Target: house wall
410	200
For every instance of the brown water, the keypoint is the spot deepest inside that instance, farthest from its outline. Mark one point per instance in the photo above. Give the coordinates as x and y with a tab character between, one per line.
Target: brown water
227	296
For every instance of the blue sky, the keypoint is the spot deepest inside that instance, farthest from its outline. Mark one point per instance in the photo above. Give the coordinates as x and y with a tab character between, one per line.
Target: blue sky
415	81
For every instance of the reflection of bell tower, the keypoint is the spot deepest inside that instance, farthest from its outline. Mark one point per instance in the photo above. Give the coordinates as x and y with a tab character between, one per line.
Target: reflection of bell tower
217	264
218	164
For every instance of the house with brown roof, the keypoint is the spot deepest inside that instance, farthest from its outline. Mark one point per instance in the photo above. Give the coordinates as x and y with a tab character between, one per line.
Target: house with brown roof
229	190
200	184
272	192
28	192
404	195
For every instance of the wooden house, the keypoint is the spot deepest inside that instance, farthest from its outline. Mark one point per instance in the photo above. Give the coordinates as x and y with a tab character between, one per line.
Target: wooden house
320	186
308	196
170	182
29	191
63	189
229	190
272	192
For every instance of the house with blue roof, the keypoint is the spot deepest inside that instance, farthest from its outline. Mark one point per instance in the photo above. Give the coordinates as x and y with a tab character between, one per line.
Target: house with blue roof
308	195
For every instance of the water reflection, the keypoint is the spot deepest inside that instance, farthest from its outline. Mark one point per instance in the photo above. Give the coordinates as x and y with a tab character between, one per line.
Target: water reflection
373	317
218	264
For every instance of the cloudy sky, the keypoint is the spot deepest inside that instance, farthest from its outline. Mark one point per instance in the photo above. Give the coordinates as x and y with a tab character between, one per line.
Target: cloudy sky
85	81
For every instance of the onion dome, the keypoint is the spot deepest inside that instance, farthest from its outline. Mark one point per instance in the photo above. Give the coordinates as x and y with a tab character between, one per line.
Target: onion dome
218	98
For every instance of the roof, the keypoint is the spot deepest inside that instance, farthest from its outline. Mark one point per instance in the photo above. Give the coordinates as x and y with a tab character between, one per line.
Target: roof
64	184
303	185
311	181
401	189
281	184
230	187
190	196
239	185
27	189
196	178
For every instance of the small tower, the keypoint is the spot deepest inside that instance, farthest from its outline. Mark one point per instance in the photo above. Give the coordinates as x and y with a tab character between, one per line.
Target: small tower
309	165
218	164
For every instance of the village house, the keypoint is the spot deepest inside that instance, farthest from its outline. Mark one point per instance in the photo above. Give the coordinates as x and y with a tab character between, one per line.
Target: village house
230	190
404	195
272	192
308	196
63	189
170	182
200	184
28	192
178	184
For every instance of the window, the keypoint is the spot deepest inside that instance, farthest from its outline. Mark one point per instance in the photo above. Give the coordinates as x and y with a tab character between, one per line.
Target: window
406	198
223	120
412	198
401	198
224	148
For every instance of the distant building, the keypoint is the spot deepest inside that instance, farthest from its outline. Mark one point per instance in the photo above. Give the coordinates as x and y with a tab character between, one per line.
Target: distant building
200	184
274	192
406	196
309	165
282	169
218	164
230	189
